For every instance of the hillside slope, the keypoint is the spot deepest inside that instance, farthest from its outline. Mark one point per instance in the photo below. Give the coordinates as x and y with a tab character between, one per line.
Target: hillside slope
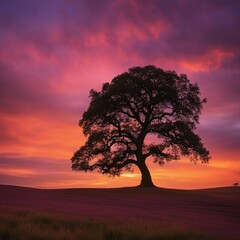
215	211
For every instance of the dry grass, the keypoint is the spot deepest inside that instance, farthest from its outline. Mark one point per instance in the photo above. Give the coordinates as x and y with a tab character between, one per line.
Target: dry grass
32	226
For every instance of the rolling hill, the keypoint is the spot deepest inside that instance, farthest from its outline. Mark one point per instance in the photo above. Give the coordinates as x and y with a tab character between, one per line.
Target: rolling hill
211	211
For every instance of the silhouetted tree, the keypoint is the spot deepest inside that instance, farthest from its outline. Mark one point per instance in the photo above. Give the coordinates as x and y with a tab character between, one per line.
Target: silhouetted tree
141	102
235	184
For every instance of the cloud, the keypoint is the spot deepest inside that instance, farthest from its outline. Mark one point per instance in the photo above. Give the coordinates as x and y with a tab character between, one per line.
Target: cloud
49	173
21	94
191	35
178	30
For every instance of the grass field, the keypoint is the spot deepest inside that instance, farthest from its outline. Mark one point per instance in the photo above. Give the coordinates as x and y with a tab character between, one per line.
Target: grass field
28	225
128	213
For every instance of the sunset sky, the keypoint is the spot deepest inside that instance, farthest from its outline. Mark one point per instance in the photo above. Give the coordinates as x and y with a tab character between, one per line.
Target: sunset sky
52	52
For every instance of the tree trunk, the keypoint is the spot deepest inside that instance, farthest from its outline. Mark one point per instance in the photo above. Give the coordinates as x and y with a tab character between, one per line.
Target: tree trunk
146	180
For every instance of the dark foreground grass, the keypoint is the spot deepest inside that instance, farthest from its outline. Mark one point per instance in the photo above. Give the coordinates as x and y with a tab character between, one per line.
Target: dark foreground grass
35	226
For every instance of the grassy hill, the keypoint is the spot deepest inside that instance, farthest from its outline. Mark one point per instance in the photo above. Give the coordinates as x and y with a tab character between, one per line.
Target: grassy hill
124	213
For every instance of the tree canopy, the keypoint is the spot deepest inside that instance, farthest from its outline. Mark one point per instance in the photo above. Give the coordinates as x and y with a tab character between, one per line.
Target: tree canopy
136	104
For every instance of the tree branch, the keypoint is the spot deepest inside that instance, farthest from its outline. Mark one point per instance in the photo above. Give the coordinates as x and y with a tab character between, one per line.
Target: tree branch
134	112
